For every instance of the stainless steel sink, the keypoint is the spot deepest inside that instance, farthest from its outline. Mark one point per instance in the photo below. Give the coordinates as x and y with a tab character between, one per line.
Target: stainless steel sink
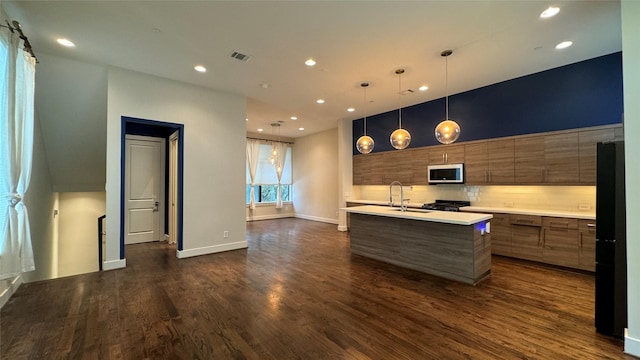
413	210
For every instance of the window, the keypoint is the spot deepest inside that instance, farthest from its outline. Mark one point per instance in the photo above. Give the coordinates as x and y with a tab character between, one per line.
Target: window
266	182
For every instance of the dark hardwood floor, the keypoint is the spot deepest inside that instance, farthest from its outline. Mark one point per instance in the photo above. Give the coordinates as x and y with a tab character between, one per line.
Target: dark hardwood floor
298	293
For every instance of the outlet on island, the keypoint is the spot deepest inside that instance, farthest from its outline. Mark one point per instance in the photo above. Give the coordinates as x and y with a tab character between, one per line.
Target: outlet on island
225	234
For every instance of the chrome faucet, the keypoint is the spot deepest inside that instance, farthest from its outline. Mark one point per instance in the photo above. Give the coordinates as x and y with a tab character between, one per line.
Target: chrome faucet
403	207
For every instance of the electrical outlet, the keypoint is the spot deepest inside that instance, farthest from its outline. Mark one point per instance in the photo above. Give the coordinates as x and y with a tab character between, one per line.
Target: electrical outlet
584	207
225	234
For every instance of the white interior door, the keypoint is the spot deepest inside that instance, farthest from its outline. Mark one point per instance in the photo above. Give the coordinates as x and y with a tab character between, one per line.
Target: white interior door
144	189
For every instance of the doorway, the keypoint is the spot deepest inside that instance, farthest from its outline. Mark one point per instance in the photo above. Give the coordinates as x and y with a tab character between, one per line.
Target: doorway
143	129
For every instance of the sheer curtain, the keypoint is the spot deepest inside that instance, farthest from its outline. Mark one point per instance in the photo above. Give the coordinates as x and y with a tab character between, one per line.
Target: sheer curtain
17	77
253	151
281	148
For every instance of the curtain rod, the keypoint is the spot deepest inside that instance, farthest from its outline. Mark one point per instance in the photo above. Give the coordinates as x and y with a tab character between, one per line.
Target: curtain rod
284	142
16	27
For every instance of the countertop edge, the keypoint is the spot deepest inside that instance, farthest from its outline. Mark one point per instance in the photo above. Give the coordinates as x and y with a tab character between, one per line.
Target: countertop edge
446	217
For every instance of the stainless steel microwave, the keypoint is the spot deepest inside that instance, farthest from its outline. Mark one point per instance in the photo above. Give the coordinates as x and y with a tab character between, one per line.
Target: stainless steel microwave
446	174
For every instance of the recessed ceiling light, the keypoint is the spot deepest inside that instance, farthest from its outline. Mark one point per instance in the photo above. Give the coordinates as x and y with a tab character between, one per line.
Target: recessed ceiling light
550	12
423	88
310	62
351	109
260	130
246	119
200	68
564	45
65	42
294	118
320	101
264	85
301	128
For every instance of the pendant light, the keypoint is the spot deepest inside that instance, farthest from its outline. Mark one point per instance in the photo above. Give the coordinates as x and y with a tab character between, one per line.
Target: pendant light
365	143
273	159
400	138
448	130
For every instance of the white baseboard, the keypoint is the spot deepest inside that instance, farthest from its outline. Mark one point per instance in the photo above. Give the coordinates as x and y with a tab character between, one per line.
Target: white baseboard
270	217
343	228
114	264
317	218
631	345
181	254
8	292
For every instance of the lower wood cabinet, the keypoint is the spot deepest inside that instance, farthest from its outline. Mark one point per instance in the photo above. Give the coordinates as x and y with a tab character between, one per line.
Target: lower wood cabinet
559	241
587	244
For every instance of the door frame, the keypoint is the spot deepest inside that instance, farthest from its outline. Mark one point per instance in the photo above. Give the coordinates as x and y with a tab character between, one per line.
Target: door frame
145	127
162	181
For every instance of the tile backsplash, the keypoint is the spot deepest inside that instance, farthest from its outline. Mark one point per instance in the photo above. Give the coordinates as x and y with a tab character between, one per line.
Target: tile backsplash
563	198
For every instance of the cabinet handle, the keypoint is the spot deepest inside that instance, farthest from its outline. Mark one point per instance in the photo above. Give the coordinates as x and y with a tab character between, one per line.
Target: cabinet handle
544	236
580	246
443	158
564	224
591	225
446	157
526	221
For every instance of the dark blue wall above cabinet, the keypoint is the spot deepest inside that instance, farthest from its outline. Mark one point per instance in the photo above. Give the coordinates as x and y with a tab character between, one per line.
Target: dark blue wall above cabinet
587	93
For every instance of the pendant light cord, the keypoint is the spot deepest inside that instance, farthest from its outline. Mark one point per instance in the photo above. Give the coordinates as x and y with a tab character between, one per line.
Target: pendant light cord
399	101
364	86
446	86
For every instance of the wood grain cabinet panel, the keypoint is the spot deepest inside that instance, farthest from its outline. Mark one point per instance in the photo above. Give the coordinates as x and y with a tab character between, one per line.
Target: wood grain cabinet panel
419	163
501	161
397	166
525	237
501	235
476	163
529	160
361	169
562	159
446	154
587	151
587	245
560	241
377	169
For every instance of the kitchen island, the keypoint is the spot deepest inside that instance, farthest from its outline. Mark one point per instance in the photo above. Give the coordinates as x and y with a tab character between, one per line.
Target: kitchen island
452	245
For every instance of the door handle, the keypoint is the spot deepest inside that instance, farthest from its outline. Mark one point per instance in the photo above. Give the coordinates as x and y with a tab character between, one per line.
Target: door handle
155	205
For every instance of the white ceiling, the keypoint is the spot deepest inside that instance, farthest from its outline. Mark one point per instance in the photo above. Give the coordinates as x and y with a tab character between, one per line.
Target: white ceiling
352	42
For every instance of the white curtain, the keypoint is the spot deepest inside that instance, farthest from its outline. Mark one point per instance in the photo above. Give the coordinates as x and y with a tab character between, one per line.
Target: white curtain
281	148
17	77
253	151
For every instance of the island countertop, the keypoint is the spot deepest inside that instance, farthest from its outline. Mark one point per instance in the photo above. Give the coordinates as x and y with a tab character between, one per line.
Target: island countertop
447	217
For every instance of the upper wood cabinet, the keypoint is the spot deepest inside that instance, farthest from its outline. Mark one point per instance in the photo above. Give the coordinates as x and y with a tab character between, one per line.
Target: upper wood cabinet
397	166
419	163
361	169
490	162
587	141
529	160
446	154
561	156
377	169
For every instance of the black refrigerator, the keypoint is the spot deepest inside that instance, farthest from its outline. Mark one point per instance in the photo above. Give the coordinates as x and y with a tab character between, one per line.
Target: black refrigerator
611	248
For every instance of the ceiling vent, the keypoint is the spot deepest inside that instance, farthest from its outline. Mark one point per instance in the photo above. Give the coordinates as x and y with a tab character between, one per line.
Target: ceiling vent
240	56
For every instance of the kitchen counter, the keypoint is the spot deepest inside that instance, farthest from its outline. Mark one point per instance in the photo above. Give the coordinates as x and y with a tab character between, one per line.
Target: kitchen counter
452	245
447	217
538	212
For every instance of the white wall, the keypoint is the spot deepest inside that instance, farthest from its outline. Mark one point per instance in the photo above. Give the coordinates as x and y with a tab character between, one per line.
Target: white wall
315	176
631	79
345	170
78	231
214	157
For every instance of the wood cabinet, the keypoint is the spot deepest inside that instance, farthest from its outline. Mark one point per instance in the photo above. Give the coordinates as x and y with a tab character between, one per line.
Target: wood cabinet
361	169
419	163
587	141
397	167
560	241
562	159
446	154
529	160
587	244
525	237
501	235
490	162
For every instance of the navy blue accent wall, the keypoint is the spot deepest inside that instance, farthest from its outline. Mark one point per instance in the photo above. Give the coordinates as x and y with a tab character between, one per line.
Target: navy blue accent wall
584	94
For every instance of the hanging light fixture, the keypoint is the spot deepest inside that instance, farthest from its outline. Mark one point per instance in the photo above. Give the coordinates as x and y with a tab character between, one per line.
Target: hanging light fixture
448	130
400	138
273	159
365	143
